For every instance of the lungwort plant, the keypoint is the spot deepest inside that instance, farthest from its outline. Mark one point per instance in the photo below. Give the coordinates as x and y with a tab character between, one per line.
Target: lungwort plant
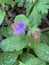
21	41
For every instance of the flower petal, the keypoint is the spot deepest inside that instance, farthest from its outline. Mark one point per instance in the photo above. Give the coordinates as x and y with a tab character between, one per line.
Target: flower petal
13	26
19	28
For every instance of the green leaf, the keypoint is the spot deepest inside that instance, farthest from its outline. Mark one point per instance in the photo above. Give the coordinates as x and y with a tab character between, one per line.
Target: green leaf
7	31
12	43
10	30
21	63
2	15
4	31
45	37
21	17
25	57
39	10
0	34
42	51
16	63
7	2
28	6
47	64
34	61
8	58
20	3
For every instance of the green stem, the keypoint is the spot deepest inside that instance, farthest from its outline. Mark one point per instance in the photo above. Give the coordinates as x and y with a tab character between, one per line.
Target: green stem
3	6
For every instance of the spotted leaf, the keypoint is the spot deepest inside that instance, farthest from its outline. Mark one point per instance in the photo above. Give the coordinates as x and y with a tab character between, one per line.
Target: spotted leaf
8	58
12	43
2	14
42	51
34	61
25	57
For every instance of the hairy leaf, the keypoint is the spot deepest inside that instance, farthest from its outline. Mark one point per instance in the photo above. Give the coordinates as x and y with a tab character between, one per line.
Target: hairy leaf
2	15
12	43
7	2
45	37
8	58
39	10
21	17
34	61
42	51
25	57
28	6
20	3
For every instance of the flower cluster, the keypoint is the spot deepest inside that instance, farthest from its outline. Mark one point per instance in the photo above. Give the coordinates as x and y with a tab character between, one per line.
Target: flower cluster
19	28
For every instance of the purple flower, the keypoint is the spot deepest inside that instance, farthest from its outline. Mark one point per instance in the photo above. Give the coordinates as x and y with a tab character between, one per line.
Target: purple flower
19	28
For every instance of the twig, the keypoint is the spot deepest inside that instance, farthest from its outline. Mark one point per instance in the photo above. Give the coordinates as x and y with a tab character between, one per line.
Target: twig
44	30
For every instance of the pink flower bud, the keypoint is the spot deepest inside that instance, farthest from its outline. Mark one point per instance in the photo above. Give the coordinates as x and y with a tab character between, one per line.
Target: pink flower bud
35	36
